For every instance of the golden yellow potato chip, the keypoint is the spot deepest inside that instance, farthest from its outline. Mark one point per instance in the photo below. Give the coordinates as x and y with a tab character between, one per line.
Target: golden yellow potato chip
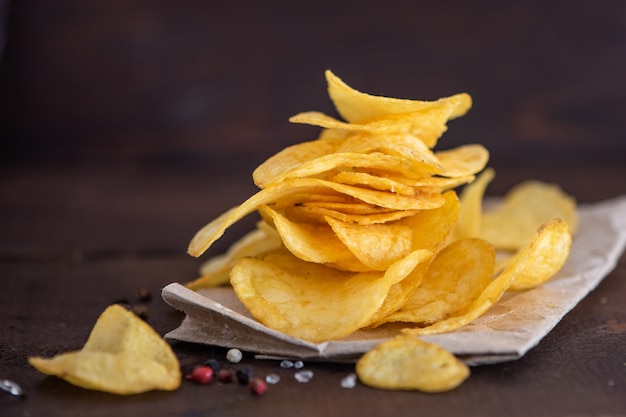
351	160
376	245
463	161
123	355
307	300
552	246
549	243
314	243
524	208
455	278
216	270
470	217
408	363
357	107
318	214
355	207
417	262
375	182
290	158
395	143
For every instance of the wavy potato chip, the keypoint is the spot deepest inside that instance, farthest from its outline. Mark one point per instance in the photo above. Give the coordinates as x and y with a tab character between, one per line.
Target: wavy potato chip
471	199
455	278
318	214
524	209
372	181
377	246
123	355
408	363
307	300
289	158
357	107
314	243
549	243
215	272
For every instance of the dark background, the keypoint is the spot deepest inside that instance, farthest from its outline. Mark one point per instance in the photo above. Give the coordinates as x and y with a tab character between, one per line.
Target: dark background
127	125
197	85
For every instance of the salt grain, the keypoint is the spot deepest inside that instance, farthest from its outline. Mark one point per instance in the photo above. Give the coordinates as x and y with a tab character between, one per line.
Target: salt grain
349	381
272	378
303	376
286	364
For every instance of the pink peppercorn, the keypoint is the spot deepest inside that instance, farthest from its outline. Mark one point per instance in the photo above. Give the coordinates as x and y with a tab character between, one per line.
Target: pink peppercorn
257	386
201	375
225	375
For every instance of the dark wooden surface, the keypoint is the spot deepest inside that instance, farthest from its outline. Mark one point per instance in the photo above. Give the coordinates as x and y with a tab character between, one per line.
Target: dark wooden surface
125	126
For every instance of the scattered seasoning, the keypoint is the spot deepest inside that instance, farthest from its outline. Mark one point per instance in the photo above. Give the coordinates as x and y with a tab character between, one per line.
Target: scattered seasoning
244	374
286	364
257	386
298	364
349	381
272	378
303	376
201	375
234	356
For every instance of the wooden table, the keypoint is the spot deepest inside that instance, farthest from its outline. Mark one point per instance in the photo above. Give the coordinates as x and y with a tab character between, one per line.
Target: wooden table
124	129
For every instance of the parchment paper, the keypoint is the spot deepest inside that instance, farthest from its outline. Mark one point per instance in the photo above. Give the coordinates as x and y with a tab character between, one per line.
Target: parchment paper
506	332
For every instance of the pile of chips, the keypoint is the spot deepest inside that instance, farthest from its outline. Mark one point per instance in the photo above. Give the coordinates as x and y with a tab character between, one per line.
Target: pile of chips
363	226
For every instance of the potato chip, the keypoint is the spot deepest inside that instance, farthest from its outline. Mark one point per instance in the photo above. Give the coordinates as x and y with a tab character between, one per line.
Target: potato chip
418	261
314	243
470	218
408	363
351	160
290	158
463	161
552	246
549	243
357	107
382	216
524	208
307	300
215	271
356	208
395	144
372	181
455	278
123	355
376	245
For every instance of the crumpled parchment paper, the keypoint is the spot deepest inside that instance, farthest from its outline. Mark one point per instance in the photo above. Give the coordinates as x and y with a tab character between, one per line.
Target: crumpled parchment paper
506	332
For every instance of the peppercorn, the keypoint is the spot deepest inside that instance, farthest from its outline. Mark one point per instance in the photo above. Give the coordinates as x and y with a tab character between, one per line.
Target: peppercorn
213	364
244	374
257	386
225	375
201	375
